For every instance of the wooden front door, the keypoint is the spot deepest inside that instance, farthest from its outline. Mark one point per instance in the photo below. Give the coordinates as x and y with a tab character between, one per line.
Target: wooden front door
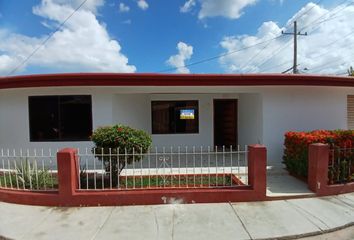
225	122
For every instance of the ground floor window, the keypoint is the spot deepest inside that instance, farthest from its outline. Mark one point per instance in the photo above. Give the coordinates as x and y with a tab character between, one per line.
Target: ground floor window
60	118
170	117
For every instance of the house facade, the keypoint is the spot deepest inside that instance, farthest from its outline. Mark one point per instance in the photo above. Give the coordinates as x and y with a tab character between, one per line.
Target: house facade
61	110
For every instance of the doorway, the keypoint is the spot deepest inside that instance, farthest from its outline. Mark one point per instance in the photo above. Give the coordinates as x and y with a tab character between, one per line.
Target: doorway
225	122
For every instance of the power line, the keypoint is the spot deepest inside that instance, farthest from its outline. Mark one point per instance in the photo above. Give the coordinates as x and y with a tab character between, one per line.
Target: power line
46	40
279	65
218	56
254	56
280	49
320	67
276	52
338	40
229	53
328	13
328	64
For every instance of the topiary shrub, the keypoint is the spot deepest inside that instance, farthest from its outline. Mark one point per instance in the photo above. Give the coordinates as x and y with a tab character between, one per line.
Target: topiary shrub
115	145
296	150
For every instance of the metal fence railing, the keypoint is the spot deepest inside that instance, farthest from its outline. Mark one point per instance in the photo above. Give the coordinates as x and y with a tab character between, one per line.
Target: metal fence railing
28	169
174	167
341	165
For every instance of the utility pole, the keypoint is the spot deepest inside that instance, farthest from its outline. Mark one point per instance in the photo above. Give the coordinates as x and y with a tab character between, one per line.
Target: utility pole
295	33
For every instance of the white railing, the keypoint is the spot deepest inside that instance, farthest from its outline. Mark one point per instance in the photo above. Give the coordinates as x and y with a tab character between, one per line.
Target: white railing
26	169
187	167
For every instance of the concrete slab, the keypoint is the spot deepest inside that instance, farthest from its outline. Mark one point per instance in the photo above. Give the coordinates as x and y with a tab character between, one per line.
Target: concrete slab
71	223
349	198
330	212
138	222
286	185
348	201
207	221
16	221
273	219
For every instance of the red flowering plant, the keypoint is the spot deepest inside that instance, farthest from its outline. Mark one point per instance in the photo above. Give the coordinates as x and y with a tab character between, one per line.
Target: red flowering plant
115	145
341	165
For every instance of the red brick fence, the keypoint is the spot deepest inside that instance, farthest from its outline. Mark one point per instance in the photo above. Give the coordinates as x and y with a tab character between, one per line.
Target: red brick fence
69	195
318	180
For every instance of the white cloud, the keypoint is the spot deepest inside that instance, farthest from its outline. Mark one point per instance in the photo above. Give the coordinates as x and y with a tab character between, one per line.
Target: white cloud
123	7
143	4
185	52
188	6
82	44
232	9
327	48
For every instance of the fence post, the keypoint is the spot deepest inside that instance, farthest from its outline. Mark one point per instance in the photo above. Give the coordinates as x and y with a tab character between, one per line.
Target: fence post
318	160
67	172
257	169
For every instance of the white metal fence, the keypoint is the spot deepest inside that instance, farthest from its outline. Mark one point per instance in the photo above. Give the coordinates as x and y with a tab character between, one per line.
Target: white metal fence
179	167
27	169
187	167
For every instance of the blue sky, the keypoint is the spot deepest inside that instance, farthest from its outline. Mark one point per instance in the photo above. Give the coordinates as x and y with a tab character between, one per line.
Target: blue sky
133	36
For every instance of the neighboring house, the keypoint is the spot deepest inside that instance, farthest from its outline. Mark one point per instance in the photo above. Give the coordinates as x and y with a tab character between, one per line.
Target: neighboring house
61	110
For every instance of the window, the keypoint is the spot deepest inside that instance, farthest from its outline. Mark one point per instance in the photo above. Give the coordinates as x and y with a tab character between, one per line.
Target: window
350	111
174	117
60	118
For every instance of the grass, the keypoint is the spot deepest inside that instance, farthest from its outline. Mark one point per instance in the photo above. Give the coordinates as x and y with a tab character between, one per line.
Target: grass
158	181
10	181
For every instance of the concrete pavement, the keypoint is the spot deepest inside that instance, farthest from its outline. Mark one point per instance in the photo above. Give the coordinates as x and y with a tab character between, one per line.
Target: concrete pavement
254	220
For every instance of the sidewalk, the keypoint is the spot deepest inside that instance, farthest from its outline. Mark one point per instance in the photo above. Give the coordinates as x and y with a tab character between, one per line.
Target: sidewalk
255	220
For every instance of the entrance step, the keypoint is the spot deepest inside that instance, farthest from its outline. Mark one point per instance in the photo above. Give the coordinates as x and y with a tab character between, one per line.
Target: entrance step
283	186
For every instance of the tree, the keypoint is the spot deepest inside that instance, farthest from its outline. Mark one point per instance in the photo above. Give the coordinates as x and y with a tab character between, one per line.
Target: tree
118	146
351	71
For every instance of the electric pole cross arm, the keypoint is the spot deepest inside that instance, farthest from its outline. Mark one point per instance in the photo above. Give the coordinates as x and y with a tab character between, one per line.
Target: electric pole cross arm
295	34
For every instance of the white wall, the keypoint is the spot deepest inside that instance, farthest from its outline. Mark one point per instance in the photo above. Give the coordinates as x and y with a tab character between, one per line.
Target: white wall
264	115
14	118
250	119
109	106
133	110
300	109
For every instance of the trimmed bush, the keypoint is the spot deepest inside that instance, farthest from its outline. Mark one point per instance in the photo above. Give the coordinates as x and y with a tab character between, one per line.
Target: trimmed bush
111	140
296	147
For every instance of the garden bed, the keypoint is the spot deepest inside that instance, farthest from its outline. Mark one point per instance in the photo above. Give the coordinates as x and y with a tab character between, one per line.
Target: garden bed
162	181
41	182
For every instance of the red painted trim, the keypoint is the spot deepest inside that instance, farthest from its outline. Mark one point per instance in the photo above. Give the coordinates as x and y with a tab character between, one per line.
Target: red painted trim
136	197
135	79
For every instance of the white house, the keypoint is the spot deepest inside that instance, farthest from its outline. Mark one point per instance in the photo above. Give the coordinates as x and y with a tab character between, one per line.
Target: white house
61	110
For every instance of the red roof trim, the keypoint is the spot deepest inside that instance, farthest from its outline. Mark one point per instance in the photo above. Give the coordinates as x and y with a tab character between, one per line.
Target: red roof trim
138	79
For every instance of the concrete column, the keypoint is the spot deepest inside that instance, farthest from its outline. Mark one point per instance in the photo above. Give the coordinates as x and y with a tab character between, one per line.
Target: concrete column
67	172
318	160
257	168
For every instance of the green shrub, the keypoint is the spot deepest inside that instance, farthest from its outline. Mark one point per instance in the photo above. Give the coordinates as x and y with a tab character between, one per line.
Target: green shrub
28	176
111	140
296	151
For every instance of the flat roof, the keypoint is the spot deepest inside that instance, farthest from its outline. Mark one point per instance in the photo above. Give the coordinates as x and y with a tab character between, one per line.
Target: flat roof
152	79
